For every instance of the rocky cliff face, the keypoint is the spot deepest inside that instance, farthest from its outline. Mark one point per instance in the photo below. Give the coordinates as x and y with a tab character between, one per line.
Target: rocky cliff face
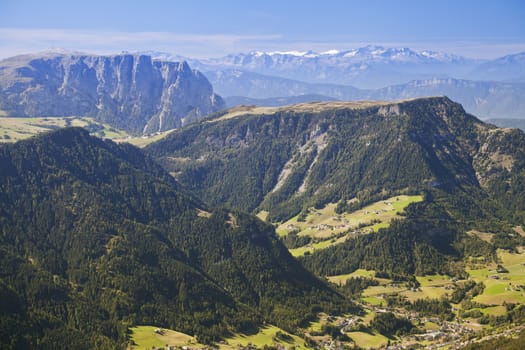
131	92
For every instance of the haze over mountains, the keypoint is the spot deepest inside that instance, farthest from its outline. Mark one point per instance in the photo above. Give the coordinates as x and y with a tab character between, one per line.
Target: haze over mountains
486	88
370	66
367	67
485	99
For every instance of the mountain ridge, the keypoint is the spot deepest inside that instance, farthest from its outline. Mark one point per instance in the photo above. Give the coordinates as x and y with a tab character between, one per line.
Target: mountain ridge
368	67
285	160
482	98
97	237
308	115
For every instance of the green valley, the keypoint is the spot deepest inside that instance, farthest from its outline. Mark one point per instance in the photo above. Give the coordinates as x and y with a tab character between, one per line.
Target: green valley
338	181
322	225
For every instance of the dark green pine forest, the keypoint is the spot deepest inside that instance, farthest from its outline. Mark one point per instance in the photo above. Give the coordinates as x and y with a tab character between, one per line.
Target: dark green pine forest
95	237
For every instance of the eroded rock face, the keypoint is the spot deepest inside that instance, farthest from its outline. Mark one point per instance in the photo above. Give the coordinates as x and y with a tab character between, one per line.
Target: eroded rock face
132	92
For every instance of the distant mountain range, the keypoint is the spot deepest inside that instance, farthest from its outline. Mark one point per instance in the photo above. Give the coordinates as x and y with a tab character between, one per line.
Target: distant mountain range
275	101
508	123
481	98
508	68
369	67
487	88
131	92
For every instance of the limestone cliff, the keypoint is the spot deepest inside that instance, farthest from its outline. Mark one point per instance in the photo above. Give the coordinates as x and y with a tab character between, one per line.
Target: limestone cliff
132	92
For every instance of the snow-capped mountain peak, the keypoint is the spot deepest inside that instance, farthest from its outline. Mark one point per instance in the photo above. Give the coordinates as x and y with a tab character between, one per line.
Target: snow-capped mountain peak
371	66
331	52
363	54
294	53
380	65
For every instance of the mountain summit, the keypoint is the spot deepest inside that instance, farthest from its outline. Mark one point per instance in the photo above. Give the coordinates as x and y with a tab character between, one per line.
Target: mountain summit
366	67
287	161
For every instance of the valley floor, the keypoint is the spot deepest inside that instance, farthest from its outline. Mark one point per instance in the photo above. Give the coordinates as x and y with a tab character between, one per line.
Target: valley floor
481	318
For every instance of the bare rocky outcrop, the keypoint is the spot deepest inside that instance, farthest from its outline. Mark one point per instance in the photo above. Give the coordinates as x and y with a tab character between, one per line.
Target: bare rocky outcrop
132	92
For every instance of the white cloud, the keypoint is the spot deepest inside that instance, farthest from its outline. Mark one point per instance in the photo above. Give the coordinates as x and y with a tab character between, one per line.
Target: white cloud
16	40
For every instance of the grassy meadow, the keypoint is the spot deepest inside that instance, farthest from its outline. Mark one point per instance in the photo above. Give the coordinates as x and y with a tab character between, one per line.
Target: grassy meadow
269	335
367	340
502	287
327	228
13	129
145	337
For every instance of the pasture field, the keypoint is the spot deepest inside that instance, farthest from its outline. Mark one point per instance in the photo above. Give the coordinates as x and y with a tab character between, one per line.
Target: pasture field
431	326
425	292
316	246
432	286
13	129
316	326
341	279
143	141
364	339
145	337
263	215
266	336
494	310
499	287
368	341
433	280
378	292
327	228
502	287
369	316
374	301
484	236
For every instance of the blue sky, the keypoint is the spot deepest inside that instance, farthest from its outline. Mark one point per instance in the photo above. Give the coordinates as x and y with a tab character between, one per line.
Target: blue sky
199	28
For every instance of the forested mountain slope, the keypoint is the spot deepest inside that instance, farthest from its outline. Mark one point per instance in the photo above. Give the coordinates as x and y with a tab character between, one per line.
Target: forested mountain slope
311	154
288	159
96	237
